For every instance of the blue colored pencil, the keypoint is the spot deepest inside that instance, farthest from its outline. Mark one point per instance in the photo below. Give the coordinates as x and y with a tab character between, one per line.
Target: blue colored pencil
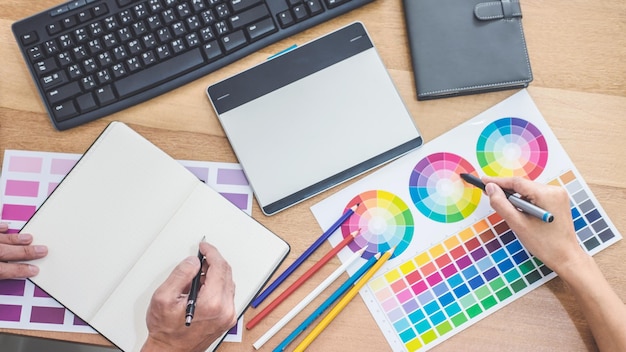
327	303
263	295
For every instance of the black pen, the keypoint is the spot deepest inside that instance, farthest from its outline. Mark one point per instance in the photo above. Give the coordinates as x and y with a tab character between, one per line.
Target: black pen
521	204
193	291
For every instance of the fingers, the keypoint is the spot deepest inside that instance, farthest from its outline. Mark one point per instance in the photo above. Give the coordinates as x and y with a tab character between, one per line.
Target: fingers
4	227
16	238
10	252
179	279
216	297
17	270
500	203
526	188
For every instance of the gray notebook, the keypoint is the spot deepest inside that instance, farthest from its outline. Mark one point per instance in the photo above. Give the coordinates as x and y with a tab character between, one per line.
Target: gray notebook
466	46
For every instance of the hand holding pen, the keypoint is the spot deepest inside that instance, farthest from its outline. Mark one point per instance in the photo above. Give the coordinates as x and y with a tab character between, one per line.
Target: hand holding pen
553	243
519	202
214	311
193	291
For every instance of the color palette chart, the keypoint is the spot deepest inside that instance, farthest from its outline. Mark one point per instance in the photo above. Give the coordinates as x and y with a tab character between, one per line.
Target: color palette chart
438	191
462	262
512	147
27	179
384	221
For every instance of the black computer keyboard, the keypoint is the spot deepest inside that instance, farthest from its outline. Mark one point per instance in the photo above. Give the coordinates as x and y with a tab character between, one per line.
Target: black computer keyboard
91	58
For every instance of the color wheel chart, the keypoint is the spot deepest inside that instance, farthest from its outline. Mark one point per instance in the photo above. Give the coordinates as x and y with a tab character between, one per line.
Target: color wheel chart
385	221
27	178
438	191
462	261
512	147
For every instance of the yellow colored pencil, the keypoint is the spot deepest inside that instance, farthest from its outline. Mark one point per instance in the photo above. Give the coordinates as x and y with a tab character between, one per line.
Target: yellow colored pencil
342	303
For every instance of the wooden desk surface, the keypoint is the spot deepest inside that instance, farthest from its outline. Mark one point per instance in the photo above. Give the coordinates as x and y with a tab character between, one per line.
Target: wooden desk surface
578	56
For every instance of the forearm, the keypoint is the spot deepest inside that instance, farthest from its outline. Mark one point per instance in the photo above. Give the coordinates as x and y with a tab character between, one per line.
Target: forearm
604	310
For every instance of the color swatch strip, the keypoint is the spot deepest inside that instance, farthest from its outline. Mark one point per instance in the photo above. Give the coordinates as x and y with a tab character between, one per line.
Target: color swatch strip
475	272
27	178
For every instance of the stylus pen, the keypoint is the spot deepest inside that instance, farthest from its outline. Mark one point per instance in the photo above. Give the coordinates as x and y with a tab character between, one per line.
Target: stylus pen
193	291
521	204
263	295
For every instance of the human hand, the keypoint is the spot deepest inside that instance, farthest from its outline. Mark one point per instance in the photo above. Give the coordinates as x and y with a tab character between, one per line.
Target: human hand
16	247
215	308
553	243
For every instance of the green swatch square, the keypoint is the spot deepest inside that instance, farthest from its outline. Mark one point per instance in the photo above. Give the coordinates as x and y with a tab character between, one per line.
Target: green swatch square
489	302
527	267
496	284
474	310
482	292
467	301
443	327
504	294
459	319
518	285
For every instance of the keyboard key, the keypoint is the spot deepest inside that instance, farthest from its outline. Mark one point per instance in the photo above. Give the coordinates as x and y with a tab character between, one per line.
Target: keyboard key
29	38
285	19
212	50
46	66
261	28
249	16
154	75
314	7
299	13
59	10
63	92
54	79
239	5
64	111
234	40
54	28
86	102
104	95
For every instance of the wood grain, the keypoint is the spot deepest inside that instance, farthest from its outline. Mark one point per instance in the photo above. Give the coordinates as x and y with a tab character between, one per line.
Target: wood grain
578	56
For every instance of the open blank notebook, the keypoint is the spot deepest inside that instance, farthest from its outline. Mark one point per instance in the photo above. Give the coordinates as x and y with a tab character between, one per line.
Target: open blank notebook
122	219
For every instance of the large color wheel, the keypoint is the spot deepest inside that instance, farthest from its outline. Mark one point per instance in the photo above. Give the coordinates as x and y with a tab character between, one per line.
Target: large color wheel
385	222
512	147
439	192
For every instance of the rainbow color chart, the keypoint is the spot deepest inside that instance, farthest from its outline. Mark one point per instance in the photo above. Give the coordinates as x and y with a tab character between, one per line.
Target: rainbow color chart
438	191
512	147
387	222
461	262
26	180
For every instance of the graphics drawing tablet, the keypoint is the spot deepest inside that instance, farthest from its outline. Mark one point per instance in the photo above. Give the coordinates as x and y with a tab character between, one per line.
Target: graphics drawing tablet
313	117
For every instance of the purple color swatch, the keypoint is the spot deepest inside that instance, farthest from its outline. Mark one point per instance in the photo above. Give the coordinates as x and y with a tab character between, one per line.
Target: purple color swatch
49	315
231	177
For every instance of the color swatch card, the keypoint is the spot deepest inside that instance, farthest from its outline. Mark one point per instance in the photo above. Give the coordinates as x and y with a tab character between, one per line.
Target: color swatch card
27	178
456	261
